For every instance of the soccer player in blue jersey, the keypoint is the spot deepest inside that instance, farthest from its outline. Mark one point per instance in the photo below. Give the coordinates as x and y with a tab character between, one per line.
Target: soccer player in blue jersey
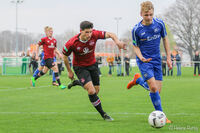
146	44
42	64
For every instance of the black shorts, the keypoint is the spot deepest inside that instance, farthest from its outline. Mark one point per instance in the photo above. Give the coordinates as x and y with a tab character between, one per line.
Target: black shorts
49	63
88	73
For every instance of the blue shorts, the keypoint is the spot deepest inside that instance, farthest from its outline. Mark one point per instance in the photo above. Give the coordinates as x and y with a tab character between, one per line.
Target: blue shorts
42	63
149	70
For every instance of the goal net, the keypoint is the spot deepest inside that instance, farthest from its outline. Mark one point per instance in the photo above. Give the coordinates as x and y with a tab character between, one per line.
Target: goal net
15	65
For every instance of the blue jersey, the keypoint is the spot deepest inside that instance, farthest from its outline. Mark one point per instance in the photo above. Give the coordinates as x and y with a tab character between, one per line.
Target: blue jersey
42	63
42	55
147	38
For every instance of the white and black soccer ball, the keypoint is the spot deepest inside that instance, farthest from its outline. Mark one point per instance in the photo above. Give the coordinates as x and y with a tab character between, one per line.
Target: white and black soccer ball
157	119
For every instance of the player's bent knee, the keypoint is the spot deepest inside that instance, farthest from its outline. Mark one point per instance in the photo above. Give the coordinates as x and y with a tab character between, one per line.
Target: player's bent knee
90	88
55	69
97	89
91	91
40	68
153	89
44	72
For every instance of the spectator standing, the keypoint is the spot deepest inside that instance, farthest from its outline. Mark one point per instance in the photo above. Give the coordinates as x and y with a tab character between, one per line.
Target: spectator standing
24	63
110	61
127	64
178	63
119	66
33	63
99	62
164	65
196	63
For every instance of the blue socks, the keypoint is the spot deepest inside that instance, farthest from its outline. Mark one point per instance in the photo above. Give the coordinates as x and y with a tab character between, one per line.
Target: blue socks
155	98
36	73
54	78
141	82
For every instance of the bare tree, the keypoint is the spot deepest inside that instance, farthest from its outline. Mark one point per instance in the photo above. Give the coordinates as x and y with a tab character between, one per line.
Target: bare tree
6	40
183	19
63	38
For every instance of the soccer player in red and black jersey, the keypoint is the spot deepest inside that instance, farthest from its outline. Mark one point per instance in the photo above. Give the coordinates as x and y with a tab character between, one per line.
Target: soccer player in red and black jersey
82	46
49	47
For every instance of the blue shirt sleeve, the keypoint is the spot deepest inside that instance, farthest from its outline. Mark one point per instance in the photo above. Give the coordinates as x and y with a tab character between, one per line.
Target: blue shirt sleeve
135	36
163	28
163	31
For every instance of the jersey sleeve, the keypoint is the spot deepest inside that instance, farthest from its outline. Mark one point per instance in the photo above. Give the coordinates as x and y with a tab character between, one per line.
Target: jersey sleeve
41	42
163	28
67	49
135	36
99	34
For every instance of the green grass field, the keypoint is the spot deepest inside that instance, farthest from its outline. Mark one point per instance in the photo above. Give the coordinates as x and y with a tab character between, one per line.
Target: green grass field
47	109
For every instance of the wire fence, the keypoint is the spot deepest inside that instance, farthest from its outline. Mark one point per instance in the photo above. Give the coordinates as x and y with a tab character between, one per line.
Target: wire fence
14	66
19	60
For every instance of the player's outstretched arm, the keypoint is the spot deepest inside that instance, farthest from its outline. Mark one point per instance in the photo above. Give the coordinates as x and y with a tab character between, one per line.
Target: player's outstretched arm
139	54
66	61
167	50
120	44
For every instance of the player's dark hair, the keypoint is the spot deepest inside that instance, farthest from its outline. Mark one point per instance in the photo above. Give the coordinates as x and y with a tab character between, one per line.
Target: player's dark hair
86	25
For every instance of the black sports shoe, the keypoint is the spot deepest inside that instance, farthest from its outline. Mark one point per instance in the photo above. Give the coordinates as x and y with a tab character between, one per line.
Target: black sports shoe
74	83
106	117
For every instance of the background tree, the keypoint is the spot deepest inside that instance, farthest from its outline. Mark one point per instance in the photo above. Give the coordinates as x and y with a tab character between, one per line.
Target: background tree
170	36
183	19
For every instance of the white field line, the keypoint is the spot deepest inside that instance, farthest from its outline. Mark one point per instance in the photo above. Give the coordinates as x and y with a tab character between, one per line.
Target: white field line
5	87
92	113
14	89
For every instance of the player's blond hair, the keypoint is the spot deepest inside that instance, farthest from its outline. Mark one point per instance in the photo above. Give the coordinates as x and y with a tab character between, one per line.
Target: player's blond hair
47	28
146	6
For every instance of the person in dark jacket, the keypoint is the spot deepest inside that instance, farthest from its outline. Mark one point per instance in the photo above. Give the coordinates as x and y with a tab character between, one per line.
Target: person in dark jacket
196	60
127	64
99	62
119	66
33	63
178	63
164	64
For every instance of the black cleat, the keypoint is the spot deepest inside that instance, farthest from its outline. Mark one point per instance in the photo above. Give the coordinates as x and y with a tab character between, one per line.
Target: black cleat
106	117
74	83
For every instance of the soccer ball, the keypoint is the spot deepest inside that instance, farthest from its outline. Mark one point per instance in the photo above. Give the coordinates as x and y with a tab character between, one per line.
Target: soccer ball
157	119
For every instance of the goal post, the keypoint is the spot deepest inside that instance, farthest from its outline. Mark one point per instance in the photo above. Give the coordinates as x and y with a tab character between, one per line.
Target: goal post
15	65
